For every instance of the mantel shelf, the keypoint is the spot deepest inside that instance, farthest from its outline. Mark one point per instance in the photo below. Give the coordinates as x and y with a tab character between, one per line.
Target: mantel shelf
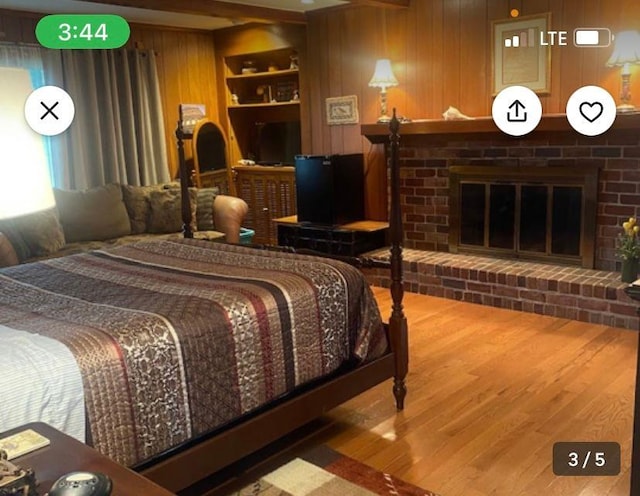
379	133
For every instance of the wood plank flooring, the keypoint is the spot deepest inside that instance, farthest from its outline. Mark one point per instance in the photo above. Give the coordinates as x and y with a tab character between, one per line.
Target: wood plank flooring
490	392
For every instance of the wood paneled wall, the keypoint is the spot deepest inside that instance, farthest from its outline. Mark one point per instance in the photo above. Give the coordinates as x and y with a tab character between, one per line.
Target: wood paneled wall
186	70
441	55
186	66
440	51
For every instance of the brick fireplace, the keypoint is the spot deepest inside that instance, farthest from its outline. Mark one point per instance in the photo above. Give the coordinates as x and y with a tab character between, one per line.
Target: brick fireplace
429	151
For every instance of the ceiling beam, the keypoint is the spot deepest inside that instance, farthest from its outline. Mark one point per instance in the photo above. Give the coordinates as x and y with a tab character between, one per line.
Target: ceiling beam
213	8
382	3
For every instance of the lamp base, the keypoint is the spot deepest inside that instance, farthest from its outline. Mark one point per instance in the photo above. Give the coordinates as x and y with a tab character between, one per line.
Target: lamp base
625	107
384	119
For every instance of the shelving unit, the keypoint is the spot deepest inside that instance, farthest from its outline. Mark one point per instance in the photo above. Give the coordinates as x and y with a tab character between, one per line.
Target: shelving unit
270	84
271	94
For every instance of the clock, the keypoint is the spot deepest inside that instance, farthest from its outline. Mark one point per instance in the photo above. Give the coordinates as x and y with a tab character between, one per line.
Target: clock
83	31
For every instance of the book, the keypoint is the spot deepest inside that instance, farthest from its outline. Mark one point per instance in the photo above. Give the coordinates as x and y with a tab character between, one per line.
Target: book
22	443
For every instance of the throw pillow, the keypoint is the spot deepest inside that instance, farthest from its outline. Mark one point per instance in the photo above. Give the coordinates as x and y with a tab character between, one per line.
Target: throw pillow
93	214
166	211
136	199
42	232
11	231
35	234
8	255
204	210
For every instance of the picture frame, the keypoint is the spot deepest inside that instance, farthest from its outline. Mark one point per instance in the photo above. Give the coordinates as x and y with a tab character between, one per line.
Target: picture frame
517	56
342	110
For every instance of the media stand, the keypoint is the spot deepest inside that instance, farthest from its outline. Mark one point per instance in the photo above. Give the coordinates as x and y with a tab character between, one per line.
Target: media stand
348	239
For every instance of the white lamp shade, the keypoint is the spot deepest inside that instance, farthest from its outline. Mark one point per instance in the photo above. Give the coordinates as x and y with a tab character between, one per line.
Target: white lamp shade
626	50
383	75
25	186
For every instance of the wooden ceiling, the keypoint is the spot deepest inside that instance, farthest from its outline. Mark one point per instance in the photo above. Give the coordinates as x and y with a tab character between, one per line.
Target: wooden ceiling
216	8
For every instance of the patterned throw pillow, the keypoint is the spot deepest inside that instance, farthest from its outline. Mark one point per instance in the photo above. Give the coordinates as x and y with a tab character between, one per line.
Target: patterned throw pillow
204	211
8	256
165	214
136	199
36	234
43	232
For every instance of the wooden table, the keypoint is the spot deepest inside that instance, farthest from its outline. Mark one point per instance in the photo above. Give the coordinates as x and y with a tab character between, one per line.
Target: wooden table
65	454
346	239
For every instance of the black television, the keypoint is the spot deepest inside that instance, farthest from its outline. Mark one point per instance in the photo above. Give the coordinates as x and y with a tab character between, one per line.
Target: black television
276	143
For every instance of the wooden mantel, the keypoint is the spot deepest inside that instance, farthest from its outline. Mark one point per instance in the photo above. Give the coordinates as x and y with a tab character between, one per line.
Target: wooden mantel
409	131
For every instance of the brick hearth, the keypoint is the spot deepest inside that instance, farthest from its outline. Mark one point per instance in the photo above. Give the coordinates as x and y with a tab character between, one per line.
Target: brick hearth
594	296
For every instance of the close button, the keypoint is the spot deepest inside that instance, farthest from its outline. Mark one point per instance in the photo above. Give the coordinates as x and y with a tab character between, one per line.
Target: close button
49	110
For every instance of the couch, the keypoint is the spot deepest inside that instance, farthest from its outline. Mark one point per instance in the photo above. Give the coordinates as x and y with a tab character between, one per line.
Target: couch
113	215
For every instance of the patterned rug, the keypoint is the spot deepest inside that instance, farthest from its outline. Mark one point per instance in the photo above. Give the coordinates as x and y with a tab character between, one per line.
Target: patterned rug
324	472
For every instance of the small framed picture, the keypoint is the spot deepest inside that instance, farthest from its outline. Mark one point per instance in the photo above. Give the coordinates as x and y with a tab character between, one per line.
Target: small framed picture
342	110
518	56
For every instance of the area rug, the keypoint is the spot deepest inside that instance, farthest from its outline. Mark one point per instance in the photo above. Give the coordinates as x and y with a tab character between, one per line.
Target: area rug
324	472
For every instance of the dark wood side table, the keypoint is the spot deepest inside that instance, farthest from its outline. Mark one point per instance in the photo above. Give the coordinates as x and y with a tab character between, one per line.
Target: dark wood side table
65	454
348	239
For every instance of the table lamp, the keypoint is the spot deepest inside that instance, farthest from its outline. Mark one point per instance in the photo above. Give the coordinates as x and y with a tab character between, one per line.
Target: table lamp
625	53
383	78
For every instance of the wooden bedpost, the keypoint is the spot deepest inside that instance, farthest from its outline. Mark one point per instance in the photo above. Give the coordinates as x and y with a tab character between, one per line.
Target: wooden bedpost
183	175
398	322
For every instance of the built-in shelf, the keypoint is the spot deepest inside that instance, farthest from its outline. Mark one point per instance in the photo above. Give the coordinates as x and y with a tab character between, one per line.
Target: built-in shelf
262	75
272	104
379	133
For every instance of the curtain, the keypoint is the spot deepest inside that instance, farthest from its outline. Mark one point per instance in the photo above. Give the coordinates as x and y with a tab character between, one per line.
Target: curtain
118	130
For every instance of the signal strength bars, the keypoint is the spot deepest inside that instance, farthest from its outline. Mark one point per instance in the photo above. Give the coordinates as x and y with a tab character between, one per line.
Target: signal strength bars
524	39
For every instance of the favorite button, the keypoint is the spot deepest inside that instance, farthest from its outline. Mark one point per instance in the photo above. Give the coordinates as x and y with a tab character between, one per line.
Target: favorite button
591	110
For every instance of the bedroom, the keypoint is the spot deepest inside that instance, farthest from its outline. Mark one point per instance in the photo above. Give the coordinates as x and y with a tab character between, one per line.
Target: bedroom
438	51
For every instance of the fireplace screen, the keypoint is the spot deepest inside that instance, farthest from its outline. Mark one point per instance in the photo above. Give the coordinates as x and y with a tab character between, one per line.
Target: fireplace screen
540	214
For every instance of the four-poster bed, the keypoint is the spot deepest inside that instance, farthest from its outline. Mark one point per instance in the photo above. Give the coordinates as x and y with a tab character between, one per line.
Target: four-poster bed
195	354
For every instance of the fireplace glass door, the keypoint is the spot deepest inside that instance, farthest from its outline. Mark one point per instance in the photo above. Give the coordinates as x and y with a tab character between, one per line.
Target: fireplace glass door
541	218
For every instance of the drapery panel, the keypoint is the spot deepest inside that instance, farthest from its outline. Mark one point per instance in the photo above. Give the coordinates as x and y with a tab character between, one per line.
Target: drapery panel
118	131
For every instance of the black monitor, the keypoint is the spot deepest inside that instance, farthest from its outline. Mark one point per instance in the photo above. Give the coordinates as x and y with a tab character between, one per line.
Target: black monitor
276	142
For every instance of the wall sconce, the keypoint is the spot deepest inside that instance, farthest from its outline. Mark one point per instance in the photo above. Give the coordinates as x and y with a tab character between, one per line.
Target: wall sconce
625	52
383	78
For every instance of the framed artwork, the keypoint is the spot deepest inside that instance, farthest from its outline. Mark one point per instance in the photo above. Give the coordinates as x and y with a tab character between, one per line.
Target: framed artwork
342	110
517	55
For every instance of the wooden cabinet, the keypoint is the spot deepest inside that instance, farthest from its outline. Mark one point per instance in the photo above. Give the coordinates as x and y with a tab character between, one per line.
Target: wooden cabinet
262	94
270	193
215	179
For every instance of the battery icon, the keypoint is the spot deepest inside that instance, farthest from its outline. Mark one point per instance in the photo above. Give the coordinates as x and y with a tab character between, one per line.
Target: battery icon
592	37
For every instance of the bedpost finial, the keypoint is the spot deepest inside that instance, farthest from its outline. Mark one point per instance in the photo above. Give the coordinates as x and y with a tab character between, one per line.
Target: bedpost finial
394	124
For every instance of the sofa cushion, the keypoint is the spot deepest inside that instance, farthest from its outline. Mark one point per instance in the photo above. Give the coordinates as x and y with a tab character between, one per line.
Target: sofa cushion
8	256
165	214
136	199
93	214
35	234
204	210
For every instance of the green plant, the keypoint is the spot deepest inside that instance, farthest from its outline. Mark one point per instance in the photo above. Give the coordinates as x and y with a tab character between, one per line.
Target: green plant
628	242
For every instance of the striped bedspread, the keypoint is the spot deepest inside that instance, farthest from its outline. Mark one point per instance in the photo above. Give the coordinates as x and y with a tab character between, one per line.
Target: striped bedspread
176	338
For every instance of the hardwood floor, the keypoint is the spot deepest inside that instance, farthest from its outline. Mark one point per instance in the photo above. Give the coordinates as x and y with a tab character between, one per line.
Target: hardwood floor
490	392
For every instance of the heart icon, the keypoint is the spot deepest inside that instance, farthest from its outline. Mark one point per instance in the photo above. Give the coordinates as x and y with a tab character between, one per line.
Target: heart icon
591	111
